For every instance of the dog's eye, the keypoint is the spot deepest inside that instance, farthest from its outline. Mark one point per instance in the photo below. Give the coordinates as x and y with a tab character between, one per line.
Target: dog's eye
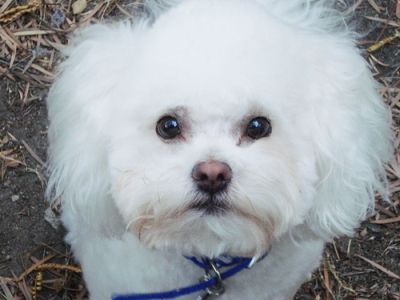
168	128
258	127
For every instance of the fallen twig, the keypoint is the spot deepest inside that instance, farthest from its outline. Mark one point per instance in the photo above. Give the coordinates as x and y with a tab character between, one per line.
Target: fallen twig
387	221
379	267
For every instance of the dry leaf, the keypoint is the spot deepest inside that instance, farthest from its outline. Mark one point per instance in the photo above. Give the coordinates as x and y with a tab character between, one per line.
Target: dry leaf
14	13
79	6
3	141
398	9
375	6
8	159
5	153
5	289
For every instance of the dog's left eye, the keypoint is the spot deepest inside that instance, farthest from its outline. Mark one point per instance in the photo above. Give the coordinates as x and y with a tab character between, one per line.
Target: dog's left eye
258	127
168	128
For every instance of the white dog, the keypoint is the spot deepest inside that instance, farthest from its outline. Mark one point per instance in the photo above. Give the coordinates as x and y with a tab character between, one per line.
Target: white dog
245	132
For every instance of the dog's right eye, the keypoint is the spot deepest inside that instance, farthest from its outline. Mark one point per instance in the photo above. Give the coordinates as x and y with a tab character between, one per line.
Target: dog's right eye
168	128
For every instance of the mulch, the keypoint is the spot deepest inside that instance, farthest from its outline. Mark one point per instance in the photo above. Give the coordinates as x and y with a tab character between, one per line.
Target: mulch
365	266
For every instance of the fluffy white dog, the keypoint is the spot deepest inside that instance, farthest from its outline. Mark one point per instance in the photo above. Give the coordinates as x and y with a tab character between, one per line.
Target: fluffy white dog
214	128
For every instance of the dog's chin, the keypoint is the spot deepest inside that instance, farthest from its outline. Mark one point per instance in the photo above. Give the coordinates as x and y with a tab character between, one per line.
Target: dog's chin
216	204
206	230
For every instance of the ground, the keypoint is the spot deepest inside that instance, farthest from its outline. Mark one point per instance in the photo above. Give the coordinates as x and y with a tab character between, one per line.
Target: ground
366	266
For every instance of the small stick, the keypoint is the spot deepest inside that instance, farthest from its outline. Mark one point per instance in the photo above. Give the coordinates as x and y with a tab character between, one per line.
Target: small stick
379	267
383	42
387	221
32	153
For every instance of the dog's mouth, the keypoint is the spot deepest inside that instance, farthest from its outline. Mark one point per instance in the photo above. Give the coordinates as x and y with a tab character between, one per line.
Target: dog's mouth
210	224
211	204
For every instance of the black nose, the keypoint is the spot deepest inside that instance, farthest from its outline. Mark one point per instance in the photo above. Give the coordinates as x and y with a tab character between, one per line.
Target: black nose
212	176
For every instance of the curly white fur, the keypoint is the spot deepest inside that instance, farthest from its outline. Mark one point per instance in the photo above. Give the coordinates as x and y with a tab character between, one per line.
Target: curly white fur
126	194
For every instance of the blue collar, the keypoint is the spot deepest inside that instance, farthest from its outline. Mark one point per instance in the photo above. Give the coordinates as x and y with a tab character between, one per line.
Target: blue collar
211	283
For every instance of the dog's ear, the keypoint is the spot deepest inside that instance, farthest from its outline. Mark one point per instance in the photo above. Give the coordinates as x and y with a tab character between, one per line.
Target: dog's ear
352	142
78	108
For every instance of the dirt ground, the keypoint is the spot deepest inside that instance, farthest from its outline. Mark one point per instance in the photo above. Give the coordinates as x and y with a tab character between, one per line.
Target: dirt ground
366	266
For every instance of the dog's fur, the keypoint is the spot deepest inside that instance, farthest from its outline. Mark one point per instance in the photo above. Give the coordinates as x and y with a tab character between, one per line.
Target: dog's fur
215	64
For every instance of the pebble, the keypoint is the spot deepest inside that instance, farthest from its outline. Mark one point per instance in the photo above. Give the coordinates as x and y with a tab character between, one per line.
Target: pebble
374	227
57	18
14	198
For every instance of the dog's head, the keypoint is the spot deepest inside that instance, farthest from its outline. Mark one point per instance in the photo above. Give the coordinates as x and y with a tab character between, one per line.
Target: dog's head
212	172
212	132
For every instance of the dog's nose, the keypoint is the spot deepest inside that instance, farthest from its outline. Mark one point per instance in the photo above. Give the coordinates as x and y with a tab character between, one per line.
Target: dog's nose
212	176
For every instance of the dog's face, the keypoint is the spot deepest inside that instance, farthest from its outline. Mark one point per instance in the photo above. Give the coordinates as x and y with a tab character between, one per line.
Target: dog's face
211	182
217	130
211	150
